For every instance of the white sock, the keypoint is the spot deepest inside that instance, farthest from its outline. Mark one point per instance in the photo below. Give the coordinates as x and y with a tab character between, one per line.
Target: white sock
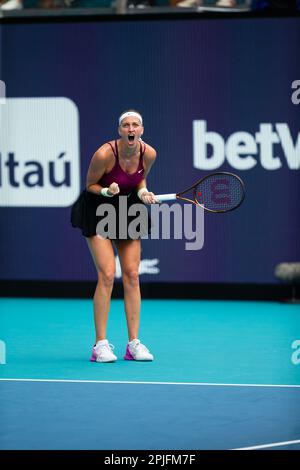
101	341
133	341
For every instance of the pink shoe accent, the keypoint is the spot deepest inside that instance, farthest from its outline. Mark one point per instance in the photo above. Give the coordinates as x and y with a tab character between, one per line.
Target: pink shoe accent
128	356
93	356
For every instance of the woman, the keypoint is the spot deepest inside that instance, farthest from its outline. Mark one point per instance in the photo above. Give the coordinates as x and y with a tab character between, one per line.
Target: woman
118	168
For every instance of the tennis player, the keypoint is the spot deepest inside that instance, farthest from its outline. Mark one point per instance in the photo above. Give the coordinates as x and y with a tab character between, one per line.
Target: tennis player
117	168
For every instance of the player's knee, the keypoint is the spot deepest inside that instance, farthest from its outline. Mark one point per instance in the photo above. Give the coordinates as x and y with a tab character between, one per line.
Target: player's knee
107	277
131	276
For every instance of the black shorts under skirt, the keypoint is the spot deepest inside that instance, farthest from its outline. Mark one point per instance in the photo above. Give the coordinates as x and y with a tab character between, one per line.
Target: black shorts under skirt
83	216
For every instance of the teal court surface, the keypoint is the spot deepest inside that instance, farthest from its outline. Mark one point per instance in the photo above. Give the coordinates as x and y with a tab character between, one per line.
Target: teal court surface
226	375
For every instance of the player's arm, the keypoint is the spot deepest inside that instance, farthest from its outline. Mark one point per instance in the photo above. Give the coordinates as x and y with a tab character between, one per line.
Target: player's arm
97	168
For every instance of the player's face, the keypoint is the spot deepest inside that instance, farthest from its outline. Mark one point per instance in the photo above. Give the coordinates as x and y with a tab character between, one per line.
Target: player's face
131	130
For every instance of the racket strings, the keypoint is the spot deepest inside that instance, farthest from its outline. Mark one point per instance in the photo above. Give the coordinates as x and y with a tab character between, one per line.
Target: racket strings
219	192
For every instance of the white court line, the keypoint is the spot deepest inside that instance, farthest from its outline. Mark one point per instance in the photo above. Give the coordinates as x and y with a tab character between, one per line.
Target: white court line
274	444
212	384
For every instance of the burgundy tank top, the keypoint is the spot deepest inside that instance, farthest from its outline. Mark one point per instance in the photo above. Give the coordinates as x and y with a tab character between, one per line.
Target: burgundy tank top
127	182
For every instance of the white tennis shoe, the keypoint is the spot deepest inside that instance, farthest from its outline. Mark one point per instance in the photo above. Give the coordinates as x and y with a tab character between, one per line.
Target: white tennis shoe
102	352
136	351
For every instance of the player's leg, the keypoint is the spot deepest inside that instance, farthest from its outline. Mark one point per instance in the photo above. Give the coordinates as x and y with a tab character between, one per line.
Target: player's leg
129	252
104	259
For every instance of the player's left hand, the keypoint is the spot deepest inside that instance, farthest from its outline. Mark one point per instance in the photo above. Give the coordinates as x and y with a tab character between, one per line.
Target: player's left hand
149	198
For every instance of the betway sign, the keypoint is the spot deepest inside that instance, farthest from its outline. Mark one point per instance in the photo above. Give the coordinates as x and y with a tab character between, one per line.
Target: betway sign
243	150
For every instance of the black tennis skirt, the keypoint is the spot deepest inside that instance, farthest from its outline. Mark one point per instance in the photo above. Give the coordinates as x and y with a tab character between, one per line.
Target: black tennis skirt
114	222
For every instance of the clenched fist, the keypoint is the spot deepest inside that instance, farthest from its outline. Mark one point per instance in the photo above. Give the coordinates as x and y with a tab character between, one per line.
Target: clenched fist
113	189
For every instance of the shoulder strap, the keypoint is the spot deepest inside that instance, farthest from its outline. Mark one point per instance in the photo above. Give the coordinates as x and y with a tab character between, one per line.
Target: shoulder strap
117	151
113	150
142	149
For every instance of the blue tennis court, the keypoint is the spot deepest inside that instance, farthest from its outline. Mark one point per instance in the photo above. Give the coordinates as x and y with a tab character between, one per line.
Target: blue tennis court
226	375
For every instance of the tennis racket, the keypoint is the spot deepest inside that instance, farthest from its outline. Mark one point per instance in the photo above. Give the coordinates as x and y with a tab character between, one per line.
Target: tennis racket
217	192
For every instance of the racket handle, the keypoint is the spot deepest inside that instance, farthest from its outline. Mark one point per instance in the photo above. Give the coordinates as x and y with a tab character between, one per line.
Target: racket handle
165	197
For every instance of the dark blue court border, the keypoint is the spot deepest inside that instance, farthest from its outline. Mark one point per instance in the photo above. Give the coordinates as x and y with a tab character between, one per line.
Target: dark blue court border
60	415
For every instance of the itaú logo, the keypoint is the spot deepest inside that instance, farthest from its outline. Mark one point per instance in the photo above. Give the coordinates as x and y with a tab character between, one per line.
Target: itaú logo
243	151
39	152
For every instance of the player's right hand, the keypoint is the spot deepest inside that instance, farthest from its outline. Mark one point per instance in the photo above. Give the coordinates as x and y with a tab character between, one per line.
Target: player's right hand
114	189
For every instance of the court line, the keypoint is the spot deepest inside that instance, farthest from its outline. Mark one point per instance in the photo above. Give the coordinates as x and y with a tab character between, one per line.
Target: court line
212	384
274	444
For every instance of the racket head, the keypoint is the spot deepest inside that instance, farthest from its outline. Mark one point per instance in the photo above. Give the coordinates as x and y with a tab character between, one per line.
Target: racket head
217	192
220	192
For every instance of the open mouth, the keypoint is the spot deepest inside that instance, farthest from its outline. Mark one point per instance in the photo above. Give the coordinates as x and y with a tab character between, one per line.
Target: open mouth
131	138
